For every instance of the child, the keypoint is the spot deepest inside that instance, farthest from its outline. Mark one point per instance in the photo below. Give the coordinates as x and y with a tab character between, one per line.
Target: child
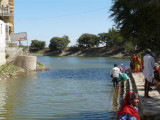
10	76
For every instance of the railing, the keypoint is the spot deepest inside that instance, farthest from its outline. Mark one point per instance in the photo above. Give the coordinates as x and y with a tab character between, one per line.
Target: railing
4	11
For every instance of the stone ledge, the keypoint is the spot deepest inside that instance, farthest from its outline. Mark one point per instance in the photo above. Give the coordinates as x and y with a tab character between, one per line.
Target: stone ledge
150	106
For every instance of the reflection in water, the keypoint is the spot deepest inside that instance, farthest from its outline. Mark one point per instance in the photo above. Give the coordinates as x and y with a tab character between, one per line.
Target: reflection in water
2	98
74	88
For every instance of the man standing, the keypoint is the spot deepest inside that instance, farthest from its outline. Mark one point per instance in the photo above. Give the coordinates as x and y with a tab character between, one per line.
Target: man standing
148	72
115	72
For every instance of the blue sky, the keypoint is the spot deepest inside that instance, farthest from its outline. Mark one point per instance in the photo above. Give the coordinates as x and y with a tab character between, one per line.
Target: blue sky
44	19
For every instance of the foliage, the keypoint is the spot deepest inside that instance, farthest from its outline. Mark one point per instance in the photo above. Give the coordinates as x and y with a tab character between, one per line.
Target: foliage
59	43
37	45
103	38
25	48
112	38
7	56
74	48
88	40
139	19
129	47
8	68
39	64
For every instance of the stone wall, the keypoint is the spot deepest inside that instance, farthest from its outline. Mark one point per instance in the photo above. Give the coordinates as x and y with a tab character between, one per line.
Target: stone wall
26	62
2	43
13	52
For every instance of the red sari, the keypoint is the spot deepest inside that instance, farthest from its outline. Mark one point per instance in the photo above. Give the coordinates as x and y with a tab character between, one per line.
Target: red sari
132	63
127	108
138	64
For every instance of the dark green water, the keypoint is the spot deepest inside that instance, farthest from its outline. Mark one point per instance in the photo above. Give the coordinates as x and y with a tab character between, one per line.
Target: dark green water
75	88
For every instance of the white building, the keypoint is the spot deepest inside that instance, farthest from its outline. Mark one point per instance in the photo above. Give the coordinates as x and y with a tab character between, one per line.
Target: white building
2	43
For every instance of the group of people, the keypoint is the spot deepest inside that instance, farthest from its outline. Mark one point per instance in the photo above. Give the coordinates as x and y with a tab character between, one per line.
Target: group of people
135	63
149	70
118	74
129	110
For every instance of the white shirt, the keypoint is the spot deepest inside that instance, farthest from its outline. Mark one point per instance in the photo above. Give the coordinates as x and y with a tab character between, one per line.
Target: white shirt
149	64
115	72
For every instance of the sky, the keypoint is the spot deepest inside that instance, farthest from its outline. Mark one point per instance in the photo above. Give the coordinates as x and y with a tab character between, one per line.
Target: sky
45	19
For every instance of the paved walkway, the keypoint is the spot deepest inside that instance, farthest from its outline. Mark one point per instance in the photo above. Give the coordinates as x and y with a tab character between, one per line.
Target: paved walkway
150	107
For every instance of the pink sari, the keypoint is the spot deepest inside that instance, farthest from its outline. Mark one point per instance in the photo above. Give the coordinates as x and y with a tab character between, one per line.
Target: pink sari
122	68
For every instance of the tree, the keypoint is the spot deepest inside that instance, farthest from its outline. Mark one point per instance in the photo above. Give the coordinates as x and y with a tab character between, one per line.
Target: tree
59	43
115	39
112	38
139	20
37	45
103	38
88	40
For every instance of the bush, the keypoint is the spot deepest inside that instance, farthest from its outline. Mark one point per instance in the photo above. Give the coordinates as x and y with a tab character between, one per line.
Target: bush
74	48
37	45
7	56
88	40
59	44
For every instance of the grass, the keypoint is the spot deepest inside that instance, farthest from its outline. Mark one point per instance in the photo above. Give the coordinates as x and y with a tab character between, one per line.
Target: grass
39	64
8	68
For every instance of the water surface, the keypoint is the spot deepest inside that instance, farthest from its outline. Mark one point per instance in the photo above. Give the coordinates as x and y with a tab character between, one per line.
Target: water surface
75	88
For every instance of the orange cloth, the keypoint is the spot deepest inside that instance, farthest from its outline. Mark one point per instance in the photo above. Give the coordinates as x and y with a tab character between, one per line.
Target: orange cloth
158	84
132	63
159	71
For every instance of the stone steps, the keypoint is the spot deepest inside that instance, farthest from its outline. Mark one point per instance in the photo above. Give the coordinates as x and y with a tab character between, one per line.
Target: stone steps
150	106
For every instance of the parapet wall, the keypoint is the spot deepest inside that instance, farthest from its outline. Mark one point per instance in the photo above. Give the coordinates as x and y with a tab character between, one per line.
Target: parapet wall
13	52
26	62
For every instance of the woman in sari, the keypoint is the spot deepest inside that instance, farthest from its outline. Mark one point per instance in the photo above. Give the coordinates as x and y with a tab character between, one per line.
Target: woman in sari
129	110
140	61
122	68
132	63
138	64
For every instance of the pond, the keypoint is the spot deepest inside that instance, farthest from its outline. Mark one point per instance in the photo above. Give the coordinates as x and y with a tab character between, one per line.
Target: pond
75	88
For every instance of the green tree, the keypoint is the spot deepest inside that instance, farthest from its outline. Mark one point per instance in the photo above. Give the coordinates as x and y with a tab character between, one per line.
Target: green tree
59	43
115	38
88	40
103	38
112	38
37	45
139	20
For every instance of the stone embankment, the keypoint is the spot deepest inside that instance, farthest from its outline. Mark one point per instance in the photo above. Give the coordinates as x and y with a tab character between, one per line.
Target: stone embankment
10	69
149	108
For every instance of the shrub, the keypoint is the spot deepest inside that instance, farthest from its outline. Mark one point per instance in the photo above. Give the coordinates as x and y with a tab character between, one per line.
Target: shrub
7	56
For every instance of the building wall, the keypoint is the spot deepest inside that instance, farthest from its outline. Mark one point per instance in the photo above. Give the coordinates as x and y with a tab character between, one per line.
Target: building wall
13	52
2	43
5	3
10	17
